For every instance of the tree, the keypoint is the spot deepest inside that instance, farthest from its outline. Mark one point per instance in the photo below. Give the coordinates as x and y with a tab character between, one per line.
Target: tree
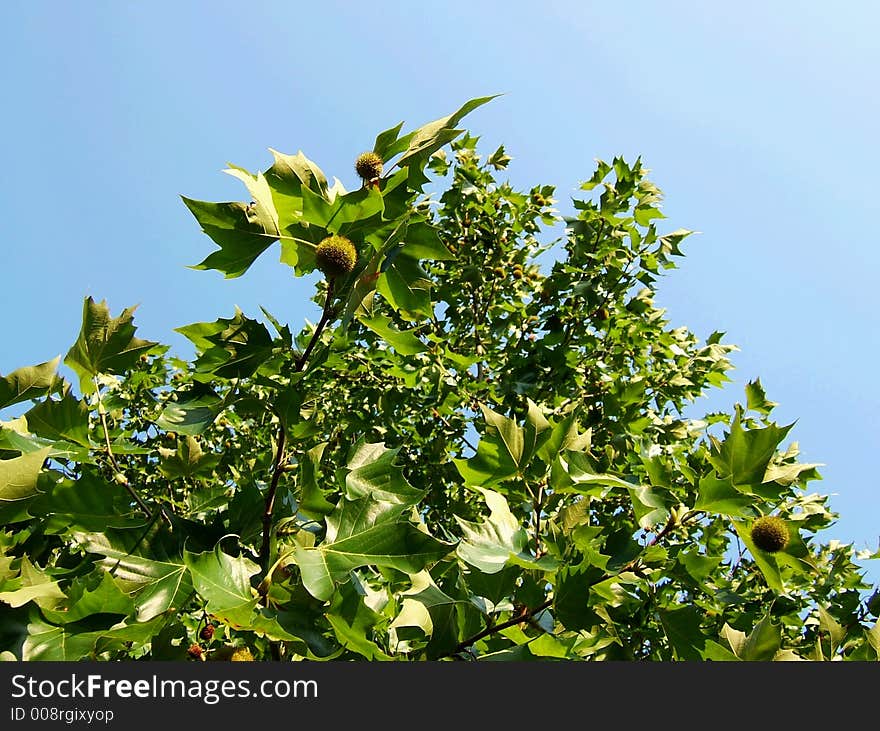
466	456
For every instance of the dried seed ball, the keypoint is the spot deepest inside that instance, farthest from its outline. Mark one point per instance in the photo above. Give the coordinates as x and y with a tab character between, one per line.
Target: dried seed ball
368	166
335	256
207	632
770	534
195	651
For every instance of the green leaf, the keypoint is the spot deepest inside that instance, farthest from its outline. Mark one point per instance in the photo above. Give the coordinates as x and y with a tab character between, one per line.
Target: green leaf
28	383
338	215
761	644
385	141
428	609
353	621
489	466
105	344
106	598
46	642
402	546
564	436
756	398
288	176
536	431
407	288
224	582
718	653
350	517
648	506
422	241
498	540
161	581
836	633
373	474
311	500
581	477
232	348
745	453
263	207
188	460
87	504
241	231
33	585
18	476
571	593
429	138
404	342
192	412
66	419
511	435
682	628
721	497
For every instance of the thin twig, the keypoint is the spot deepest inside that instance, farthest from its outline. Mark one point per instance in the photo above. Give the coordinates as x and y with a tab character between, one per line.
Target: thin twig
110	456
281	439
523	616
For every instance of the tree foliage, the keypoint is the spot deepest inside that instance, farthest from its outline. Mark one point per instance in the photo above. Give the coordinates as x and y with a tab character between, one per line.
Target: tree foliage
478	450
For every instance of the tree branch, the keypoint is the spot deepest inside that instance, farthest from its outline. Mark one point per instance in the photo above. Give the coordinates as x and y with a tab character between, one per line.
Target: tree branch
115	465
281	439
523	616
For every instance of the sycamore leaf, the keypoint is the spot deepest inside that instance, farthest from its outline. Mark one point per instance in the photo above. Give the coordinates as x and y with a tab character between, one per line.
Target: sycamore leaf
399	545
497	541
105	344
28	383
18	476
223	581
242	232
188	460
65	419
744	454
373	474
32	585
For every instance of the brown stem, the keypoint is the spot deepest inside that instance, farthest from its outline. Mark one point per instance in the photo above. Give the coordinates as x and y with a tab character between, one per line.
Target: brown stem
525	615
322	323
281	439
270	497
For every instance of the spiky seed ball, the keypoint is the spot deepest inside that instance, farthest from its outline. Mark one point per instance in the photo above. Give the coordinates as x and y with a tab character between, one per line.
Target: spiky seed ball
770	534
368	166
207	632
195	651
335	256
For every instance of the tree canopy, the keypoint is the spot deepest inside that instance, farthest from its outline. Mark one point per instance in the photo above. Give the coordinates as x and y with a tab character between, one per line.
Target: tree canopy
471	453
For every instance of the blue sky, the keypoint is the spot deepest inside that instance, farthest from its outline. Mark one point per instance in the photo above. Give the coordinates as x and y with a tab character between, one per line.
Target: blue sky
757	119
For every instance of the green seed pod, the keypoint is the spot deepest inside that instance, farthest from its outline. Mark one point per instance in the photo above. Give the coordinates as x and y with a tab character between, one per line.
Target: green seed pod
335	256
770	534
369	166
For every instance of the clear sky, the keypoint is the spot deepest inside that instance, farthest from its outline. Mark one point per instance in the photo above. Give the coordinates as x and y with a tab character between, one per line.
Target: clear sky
758	120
